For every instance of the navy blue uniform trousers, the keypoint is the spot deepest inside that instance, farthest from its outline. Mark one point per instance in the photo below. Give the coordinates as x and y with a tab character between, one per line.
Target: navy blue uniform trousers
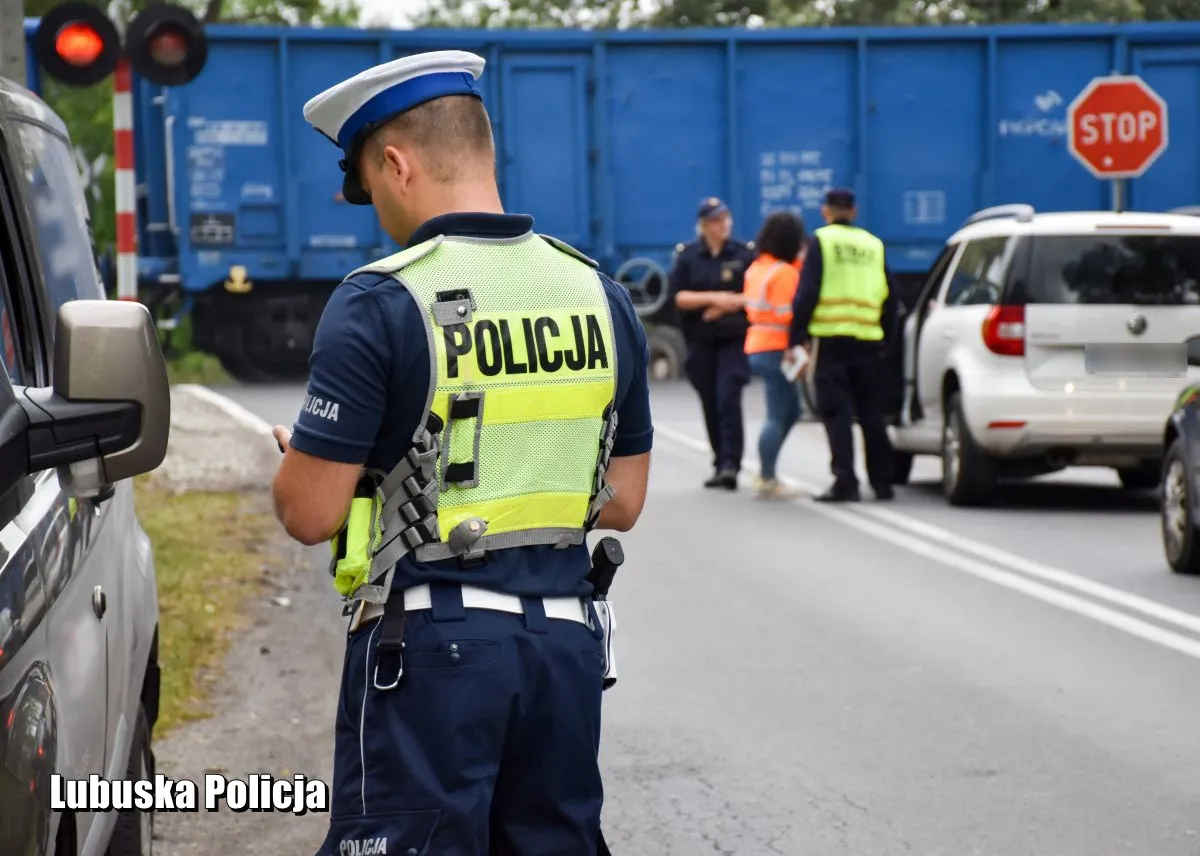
719	371
849	379
488	746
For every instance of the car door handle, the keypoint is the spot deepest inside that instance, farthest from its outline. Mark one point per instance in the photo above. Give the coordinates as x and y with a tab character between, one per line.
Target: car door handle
948	335
99	602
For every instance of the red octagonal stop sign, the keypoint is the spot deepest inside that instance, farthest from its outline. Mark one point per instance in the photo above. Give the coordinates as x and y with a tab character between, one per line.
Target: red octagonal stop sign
1117	126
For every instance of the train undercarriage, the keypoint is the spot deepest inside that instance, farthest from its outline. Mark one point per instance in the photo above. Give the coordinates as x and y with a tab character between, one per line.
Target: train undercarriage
264	335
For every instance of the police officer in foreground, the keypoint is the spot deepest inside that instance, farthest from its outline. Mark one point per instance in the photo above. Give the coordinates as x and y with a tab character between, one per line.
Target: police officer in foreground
706	287
844	310
485	404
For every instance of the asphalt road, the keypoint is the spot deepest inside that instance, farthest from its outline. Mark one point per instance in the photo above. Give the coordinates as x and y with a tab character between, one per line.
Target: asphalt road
908	679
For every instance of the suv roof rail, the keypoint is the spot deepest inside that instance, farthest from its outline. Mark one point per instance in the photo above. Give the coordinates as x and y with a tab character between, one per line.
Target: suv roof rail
1186	210
1019	211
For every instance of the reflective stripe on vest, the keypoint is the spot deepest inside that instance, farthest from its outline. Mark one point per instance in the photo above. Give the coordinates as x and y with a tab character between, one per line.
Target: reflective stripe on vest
519	421
778	313
853	284
769	323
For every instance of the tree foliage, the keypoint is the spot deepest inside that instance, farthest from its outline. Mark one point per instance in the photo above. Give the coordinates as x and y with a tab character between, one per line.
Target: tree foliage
791	13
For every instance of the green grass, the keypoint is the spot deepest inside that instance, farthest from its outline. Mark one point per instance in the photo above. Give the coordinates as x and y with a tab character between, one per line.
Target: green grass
209	549
186	364
196	367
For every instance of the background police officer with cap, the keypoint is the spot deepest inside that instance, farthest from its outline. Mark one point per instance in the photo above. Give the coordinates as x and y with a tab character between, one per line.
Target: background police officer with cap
706	285
844	309
477	373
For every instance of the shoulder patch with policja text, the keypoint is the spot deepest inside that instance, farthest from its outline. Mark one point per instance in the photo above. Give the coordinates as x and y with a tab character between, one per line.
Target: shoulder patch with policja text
321	407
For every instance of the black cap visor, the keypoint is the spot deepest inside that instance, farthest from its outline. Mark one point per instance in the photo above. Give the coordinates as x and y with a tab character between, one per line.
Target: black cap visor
352	190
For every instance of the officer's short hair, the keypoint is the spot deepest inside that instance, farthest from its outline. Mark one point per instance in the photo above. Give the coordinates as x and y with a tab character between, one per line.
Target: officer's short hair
452	135
781	235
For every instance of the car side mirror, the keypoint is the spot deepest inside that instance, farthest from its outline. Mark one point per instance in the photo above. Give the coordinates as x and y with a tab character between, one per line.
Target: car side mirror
108	415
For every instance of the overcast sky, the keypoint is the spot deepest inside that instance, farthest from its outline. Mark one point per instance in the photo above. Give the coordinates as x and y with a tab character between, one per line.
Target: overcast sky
390	11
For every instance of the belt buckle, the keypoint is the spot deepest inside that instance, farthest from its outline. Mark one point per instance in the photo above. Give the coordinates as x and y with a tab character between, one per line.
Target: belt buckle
357	617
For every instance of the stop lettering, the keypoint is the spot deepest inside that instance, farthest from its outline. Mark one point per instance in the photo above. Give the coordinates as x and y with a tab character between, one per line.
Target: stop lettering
1111	127
1117	126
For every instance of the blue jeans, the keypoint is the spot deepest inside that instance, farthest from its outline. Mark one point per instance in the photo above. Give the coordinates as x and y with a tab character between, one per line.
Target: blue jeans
783	408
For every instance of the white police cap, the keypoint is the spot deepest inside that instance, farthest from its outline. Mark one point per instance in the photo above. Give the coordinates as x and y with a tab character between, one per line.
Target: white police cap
347	113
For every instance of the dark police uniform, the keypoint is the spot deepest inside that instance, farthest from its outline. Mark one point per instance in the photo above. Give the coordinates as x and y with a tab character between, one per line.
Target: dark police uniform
716	359
477	731
847	366
527	691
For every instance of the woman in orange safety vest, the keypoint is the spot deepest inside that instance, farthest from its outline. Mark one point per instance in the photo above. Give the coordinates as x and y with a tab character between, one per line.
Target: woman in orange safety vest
770	286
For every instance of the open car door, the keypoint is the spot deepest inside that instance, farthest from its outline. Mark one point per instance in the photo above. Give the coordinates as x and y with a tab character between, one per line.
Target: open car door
900	350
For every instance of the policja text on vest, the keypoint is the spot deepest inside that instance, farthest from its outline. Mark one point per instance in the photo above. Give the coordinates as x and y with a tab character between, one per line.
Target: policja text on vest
496	349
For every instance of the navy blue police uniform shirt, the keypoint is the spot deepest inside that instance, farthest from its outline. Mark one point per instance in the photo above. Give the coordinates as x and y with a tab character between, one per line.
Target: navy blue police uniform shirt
808	294
371	358
697	269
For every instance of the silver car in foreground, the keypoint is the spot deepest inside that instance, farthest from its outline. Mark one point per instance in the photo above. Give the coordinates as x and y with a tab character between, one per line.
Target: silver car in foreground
84	406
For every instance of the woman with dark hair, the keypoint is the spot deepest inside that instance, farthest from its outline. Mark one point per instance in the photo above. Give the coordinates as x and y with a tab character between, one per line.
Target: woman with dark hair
770	286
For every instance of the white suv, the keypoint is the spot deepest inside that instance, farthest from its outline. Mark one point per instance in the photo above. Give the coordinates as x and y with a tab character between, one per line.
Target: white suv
1042	341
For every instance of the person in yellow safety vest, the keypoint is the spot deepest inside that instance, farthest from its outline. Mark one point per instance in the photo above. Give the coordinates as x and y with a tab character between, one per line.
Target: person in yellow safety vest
477	404
844	313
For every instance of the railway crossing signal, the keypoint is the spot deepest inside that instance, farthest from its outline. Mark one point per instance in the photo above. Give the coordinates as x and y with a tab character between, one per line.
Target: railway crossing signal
78	44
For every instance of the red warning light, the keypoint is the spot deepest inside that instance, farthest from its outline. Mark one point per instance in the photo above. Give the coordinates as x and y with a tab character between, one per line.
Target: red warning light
169	46
166	45
78	44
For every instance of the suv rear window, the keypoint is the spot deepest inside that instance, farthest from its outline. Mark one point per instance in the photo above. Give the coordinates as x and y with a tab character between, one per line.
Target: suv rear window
1140	270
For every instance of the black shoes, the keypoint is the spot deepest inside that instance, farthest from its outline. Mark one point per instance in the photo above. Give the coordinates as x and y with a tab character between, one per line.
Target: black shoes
839	493
849	493
725	479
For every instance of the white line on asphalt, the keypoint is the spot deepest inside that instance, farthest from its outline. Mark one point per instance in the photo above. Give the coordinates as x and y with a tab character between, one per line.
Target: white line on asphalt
231	408
1048	573
919	534
855	518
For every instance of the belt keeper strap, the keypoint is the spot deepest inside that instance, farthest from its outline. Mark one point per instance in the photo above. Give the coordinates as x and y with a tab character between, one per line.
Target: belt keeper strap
389	651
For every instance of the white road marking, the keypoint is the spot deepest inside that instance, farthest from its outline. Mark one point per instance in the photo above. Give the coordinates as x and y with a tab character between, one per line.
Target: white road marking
231	408
935	543
919	538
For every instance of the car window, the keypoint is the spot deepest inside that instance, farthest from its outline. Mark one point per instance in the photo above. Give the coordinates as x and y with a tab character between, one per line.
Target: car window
1142	270
979	277
8	342
59	214
14	346
936	275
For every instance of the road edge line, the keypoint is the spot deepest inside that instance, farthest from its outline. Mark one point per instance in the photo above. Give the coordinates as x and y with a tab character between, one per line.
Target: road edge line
231	408
1002	560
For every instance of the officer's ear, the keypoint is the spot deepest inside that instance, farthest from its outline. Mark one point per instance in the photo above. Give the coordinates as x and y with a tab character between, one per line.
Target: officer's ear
398	166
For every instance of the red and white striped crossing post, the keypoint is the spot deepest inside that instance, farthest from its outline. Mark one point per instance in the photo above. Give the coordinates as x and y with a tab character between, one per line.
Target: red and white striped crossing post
126	183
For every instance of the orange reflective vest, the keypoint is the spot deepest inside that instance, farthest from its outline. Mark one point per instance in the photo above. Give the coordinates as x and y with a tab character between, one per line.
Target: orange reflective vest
770	286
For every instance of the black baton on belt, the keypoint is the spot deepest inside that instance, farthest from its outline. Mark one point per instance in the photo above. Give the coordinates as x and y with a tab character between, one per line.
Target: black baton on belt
606	558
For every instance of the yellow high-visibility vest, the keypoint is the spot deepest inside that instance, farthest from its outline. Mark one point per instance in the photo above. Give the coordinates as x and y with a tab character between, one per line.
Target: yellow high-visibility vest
853	284
520	415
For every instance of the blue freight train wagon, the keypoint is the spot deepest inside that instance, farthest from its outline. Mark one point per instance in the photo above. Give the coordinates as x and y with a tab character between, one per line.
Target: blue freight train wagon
610	139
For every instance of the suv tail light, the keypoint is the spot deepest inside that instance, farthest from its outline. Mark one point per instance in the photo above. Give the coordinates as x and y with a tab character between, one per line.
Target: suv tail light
1004	331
